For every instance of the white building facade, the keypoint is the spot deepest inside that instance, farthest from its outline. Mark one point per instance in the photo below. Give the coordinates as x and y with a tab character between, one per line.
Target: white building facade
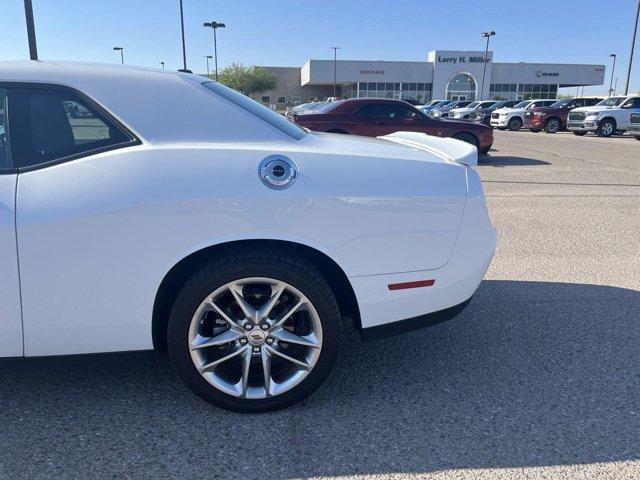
446	74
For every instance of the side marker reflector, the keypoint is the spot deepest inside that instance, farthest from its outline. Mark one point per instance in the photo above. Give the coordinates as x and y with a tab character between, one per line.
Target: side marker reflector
416	284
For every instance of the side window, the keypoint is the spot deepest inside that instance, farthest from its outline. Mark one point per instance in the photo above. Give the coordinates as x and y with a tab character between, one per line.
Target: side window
48	125
4	146
368	110
395	112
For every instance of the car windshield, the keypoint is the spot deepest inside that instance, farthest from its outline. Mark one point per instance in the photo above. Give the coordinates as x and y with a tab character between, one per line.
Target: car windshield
560	103
272	118
522	104
473	104
442	104
485	104
610	102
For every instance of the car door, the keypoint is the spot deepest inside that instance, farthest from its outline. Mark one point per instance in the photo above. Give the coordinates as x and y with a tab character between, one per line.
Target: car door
364	120
627	107
10	315
394	117
62	145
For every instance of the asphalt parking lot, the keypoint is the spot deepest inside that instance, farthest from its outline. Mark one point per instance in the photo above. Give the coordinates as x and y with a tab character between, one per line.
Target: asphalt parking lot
538	378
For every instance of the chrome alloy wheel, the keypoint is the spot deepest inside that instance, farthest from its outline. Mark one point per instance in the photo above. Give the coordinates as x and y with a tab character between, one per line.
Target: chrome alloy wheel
607	128
255	338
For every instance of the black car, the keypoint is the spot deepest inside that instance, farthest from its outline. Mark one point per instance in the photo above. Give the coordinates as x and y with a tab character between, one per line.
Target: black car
483	115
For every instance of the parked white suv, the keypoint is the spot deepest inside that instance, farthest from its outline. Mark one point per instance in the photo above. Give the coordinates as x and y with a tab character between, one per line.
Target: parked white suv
513	118
606	118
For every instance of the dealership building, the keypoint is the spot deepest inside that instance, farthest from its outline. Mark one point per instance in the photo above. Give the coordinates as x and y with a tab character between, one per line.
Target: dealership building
446	74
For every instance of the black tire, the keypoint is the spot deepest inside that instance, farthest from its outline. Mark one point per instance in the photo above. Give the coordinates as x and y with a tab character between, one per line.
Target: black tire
468	138
606	127
580	134
515	124
296	272
552	125
637	138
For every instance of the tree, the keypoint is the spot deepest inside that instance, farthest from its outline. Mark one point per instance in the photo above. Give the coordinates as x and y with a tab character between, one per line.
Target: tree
247	79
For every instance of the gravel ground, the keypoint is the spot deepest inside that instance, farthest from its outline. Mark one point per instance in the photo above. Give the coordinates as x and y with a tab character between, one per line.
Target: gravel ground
538	378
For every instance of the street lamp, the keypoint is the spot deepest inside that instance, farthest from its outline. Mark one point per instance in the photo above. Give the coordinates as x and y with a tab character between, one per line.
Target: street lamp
208	57
487	35
335	68
31	30
215	26
121	53
184	48
613	69
633	44
162	63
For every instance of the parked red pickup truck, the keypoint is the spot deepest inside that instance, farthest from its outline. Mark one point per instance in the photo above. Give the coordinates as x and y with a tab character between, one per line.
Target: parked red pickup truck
554	118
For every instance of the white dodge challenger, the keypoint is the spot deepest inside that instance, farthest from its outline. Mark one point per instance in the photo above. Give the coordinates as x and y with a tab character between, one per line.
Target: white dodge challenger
143	209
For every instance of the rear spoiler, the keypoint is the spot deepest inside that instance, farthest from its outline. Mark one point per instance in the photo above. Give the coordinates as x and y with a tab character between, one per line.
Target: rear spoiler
447	148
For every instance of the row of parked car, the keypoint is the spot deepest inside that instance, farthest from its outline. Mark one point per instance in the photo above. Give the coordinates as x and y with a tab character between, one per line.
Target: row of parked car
604	117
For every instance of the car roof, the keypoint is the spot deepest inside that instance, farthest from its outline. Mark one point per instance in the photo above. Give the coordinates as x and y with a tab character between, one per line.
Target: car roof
158	106
57	71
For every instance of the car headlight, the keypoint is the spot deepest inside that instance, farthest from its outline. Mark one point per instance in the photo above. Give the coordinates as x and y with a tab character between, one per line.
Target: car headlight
435	112
593	114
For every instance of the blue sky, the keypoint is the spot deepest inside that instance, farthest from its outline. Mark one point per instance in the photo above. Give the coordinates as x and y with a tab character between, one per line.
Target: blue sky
287	33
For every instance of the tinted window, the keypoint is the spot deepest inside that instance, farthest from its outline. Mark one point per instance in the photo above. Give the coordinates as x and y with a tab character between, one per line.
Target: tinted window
272	118
368	110
392	111
631	103
48	125
4	147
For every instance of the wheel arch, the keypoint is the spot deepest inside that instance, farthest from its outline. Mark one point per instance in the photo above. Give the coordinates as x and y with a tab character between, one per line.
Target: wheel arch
176	276
467	132
609	117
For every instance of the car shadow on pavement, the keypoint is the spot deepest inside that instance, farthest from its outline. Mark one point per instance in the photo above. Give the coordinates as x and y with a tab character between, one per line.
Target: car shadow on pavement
530	374
509	161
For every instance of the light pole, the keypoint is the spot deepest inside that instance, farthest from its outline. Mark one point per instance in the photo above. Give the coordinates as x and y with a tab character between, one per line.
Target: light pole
31	30
208	57
121	53
335	68
633	44
184	48
215	26
613	69
162	63
615	85
487	35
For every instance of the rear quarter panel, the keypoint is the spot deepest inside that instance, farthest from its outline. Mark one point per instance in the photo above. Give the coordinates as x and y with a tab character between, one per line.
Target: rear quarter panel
97	235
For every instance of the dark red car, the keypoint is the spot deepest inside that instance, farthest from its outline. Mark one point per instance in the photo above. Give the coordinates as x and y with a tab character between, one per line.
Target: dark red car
554	118
374	117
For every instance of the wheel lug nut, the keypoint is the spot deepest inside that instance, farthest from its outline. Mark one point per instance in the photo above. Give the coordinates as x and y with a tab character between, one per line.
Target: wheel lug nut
243	341
248	326
256	349
264	326
269	340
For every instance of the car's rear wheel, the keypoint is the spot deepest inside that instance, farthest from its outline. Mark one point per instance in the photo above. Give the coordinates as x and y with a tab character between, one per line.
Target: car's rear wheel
468	138
514	124
254	332
580	134
552	125
606	127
